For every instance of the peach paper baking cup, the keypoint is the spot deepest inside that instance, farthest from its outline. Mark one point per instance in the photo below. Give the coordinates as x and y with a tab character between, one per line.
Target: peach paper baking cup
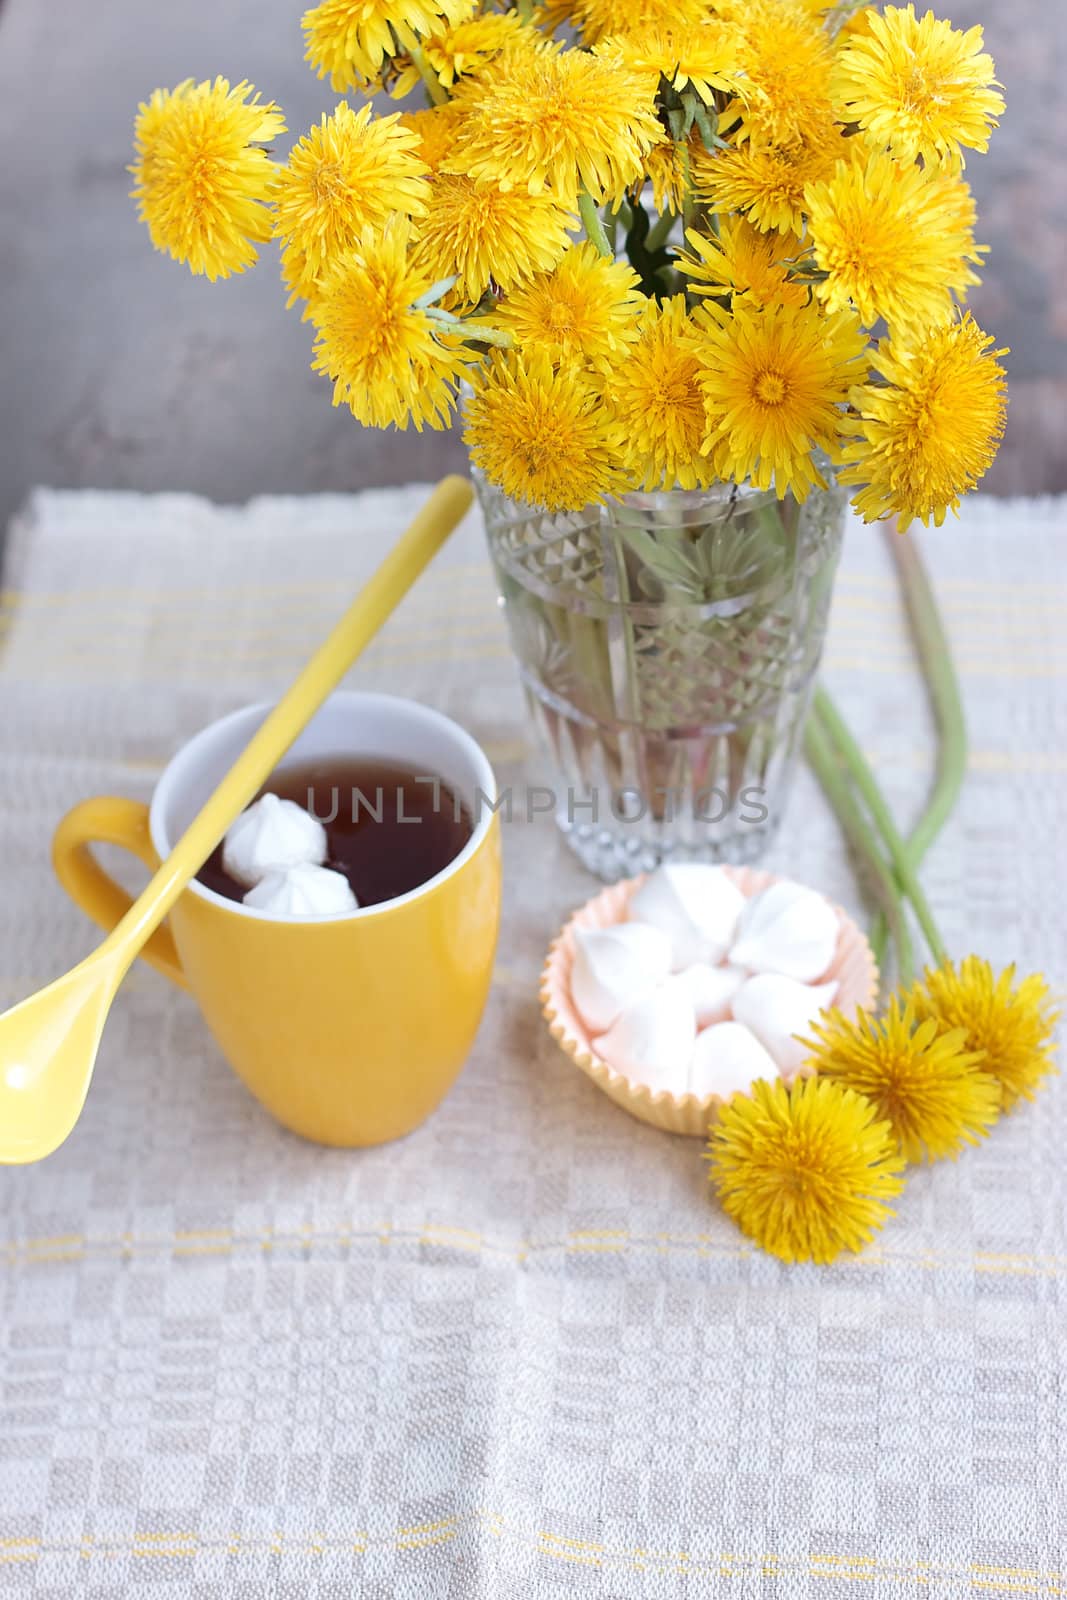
853	969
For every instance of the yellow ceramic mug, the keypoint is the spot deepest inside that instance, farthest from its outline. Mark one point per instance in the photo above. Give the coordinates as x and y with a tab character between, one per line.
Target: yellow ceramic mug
349	1028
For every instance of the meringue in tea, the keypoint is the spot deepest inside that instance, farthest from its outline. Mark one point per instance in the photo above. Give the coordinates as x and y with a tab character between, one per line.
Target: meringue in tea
303	891
386	829
269	836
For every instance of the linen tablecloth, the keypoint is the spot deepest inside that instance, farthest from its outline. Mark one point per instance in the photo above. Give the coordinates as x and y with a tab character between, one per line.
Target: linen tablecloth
520	1353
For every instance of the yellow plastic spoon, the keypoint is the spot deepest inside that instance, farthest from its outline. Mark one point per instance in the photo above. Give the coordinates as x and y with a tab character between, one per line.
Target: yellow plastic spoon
48	1043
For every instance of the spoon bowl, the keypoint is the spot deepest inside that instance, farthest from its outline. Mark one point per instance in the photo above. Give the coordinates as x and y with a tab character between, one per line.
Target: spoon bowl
45	1042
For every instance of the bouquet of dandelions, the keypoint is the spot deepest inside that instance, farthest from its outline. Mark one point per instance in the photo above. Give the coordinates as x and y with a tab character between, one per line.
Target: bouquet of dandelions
665	242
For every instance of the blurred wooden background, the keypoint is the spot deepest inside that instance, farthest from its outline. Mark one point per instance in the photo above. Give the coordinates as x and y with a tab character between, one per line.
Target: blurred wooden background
118	369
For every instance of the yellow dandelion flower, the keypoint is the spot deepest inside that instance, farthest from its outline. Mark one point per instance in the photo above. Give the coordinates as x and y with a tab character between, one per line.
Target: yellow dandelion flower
699	55
767	182
665	168
348	40
932	430
541	435
436	129
857	25
920	1077
741	260
600	19
200	180
349	174
811	11
774	380
386	356
298	280
463	50
556	118
918	85
805	1171
481	234
656	399
584	311
1010	1023
894	240
784	59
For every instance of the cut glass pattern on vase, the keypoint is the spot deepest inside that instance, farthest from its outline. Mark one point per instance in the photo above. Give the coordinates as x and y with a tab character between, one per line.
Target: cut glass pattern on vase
668	645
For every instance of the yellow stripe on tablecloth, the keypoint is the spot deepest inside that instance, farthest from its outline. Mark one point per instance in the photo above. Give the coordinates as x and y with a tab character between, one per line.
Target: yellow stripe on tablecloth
226	1241
163	612
468	638
561	1547
168	624
987	666
213	592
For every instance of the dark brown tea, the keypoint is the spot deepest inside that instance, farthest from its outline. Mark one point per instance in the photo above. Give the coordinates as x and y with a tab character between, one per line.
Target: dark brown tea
389	828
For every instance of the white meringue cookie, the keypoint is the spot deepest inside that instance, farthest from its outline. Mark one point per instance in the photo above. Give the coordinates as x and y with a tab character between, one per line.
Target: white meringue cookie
711	990
652	1040
271	835
303	891
727	1060
777	1008
787	929
613	966
696	905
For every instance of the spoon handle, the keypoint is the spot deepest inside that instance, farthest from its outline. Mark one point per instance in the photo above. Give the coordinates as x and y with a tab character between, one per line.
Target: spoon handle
375	602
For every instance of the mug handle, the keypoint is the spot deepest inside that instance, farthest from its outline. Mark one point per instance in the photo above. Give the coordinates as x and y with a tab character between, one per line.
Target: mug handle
110	820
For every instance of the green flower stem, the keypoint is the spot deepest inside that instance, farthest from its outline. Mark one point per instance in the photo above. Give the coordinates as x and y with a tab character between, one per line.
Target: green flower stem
434	88
865	781
660	231
878	939
475	331
632	711
944	691
586	641
836	787
691	208
593	224
525	10
944	687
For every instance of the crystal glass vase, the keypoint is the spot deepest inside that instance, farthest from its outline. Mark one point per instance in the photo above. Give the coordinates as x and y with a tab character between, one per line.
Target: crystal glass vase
668	644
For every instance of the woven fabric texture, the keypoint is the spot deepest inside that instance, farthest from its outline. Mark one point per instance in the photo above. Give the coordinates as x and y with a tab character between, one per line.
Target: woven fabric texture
520	1354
